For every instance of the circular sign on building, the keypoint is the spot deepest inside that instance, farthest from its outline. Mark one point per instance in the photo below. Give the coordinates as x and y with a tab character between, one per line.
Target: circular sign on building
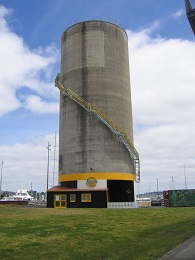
91	182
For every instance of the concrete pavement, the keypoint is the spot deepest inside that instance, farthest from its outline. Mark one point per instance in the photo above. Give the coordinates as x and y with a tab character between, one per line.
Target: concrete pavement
184	251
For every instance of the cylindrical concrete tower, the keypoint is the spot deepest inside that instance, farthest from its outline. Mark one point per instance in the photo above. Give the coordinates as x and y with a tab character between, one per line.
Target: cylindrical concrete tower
95	65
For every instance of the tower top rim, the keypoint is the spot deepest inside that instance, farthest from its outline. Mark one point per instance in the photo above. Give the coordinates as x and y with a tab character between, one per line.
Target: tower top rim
94	19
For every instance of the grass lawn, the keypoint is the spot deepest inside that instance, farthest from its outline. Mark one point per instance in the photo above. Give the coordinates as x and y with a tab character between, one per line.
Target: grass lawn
43	233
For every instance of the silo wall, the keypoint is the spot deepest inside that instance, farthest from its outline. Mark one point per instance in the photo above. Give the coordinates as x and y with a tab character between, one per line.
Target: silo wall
95	65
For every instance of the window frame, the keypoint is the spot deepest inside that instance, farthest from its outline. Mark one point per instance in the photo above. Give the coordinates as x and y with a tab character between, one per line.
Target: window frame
85	197
71	199
59	200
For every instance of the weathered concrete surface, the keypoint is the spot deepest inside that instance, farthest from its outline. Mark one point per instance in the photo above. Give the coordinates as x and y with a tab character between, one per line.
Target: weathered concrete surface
95	65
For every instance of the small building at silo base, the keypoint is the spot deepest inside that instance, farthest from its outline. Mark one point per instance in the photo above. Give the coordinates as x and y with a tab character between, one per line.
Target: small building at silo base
119	193
62	197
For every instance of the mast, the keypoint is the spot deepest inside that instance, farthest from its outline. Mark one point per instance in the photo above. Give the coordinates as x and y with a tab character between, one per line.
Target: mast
54	164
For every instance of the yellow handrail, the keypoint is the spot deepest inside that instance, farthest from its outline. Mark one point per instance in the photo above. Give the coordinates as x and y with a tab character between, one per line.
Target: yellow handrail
106	120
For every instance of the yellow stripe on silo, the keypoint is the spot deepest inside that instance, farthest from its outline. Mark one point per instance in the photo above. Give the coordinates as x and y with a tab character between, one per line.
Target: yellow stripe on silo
97	175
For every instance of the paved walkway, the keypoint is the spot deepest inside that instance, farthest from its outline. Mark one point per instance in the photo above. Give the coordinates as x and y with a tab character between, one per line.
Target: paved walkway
184	251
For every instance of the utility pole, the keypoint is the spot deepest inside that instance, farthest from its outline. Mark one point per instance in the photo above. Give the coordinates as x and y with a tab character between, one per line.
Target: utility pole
54	164
185	176
1	177
172	183
48	150
157	187
31	188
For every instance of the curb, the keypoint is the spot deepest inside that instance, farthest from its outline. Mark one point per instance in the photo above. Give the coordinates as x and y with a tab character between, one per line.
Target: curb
184	251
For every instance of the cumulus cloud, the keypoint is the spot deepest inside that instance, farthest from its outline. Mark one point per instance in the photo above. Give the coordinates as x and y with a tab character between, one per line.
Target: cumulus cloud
20	66
34	103
163	96
27	162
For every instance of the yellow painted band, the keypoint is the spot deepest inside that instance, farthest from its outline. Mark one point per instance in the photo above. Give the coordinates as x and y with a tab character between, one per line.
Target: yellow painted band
97	175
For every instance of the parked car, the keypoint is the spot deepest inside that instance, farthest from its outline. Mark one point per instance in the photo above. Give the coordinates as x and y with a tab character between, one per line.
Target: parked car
156	202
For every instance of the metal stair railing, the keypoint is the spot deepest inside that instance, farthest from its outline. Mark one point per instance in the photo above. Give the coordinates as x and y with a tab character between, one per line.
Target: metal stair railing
119	132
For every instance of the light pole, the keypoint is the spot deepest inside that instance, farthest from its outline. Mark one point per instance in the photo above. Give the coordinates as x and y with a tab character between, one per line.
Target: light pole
1	177
31	188
48	149
185	177
54	164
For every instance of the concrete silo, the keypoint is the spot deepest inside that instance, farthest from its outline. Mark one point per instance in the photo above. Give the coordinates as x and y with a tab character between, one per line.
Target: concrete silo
96	149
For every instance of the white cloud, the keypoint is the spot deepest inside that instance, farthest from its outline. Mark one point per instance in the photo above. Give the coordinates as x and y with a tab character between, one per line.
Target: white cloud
27	162
34	103
20	66
163	97
178	14
3	12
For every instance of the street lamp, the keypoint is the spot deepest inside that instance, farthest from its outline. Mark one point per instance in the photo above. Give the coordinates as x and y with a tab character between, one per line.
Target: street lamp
48	149
1	177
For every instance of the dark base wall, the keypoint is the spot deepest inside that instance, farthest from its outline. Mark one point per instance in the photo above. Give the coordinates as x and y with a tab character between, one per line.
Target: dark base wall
98	199
69	184
120	191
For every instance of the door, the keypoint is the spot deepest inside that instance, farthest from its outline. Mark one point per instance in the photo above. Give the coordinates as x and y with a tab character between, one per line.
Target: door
60	201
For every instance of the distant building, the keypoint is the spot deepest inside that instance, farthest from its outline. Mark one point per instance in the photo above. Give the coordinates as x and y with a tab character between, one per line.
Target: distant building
190	11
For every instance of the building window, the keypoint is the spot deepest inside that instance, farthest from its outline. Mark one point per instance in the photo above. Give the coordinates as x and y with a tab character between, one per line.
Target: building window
72	197
60	201
86	197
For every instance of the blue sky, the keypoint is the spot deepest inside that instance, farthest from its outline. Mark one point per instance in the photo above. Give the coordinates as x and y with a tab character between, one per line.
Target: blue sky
161	50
